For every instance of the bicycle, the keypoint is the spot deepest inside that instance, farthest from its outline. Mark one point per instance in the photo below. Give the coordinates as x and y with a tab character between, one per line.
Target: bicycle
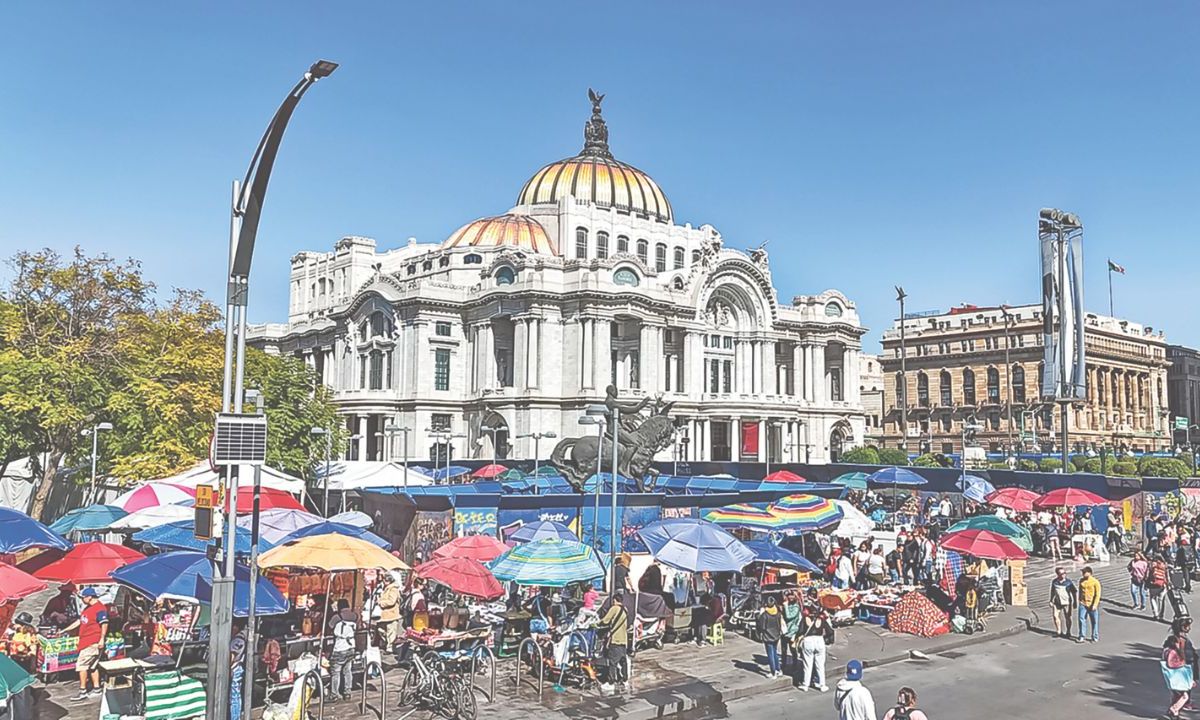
426	684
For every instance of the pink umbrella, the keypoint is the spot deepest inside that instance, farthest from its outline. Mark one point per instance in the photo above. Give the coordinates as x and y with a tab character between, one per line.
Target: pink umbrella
1068	497
783	476
489	471
153	494
16	584
1013	498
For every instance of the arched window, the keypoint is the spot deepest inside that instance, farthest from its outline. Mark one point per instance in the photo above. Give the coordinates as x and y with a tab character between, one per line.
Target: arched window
581	240
380	325
443	261
922	389
1018	383
643	251
833	310
622	244
968	386
678	283
626	276
601	245
680	258
946	389
695	256
312	292
993	385
473	259
660	257
362	330
506	276
427	265
412	269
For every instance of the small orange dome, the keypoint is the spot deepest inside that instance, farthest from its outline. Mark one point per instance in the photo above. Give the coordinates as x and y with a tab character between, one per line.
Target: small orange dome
513	230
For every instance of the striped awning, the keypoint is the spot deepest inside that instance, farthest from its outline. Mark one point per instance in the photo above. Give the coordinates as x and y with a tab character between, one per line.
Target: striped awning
173	696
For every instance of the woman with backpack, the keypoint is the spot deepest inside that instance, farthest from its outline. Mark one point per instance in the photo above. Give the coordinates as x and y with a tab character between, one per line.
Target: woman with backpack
905	707
770	629
1157	580
1138	568
1178	665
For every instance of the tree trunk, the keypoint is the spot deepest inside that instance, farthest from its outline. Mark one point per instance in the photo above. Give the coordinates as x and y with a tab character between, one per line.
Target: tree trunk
42	493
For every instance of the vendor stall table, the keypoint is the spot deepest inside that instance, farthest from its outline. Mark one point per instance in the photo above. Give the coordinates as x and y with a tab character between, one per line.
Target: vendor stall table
60	654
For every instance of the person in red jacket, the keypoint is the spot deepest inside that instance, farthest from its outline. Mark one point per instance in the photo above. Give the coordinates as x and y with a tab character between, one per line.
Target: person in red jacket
93	628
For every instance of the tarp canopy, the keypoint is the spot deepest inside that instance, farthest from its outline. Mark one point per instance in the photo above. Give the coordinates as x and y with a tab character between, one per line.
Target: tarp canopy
188	575
202	474
358	474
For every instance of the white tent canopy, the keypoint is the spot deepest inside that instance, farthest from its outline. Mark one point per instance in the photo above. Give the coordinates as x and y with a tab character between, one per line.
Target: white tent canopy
153	517
202	474
854	522
359	474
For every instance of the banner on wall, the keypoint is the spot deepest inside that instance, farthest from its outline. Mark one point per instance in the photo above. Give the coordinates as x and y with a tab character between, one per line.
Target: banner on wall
750	438
431	530
475	521
511	520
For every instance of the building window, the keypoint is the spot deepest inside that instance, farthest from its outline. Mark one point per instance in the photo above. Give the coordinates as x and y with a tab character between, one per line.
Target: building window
695	256
473	259
643	251
993	385
601	245
581	243
835	383
380	325
387	370
899	390
625	276
968	386
376	377
1018	383
441	329
833	310
412	269
660	258
362	372
506	276
922	389
945	389
622	244
946	423
728	342
679	258
714	376
727	379
441	369
439	422
427	265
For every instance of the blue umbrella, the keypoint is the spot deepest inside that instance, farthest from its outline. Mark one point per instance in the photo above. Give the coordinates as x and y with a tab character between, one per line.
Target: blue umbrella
181	536
977	488
84	519
695	546
188	575
772	554
552	563
541	530
448	472
325	527
896	476
19	532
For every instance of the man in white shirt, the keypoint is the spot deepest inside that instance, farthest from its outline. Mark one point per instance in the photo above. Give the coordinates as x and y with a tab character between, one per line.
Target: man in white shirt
945	507
851	698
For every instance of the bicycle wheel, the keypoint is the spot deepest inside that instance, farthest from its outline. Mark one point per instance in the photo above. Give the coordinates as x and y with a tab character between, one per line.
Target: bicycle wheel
410	689
468	708
442	697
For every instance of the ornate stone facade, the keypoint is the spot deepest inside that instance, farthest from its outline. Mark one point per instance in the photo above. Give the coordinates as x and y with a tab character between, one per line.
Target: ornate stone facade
956	370
520	321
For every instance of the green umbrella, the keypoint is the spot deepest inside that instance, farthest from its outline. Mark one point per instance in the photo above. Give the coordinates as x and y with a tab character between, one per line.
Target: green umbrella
13	678
510	475
1000	526
852	481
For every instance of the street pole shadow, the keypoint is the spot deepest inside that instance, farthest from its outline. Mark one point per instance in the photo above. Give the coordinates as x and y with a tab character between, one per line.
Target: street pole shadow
1135	616
1131	681
46	709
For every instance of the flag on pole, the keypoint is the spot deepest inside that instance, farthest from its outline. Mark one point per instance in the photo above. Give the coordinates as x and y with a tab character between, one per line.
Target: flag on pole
1113	267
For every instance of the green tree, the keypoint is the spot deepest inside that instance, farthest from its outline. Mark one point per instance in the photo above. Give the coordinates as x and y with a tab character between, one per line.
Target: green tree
1050	464
60	328
1123	468
866	455
926	460
1093	465
1027	465
1149	466
892	456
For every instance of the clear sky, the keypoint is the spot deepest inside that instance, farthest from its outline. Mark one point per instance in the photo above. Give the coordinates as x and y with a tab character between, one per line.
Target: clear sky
871	143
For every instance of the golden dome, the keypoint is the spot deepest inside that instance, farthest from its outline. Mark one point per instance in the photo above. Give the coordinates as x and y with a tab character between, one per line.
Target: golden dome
596	176
513	230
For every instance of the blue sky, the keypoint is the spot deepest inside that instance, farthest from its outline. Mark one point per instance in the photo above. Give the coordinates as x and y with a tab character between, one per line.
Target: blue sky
871	144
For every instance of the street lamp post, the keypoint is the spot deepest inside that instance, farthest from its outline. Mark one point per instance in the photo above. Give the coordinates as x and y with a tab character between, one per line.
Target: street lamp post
1008	369
248	198
94	431
328	452
903	394
537	437
612	521
392	431
596	416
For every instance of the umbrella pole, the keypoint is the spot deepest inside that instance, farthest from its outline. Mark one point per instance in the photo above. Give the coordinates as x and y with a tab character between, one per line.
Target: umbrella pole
325	620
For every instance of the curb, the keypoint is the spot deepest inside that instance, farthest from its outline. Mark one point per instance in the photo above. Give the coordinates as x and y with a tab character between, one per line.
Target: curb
689	702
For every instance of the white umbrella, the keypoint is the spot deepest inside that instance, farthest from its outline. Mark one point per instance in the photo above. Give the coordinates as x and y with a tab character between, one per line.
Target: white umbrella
854	522
271	478
153	516
277	523
355	518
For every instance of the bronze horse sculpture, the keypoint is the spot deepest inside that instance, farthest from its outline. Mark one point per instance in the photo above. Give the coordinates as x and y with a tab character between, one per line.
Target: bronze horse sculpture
638	441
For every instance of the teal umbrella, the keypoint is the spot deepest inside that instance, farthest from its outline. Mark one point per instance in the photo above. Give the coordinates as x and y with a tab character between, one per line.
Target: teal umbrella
13	678
852	481
86	519
998	525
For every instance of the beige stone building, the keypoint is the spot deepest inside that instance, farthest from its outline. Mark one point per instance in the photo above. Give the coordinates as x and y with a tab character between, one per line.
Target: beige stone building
963	366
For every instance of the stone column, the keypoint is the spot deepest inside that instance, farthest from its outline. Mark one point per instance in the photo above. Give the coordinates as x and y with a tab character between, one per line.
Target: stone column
818	361
647	358
361	432
587	343
488	358
764	427
519	348
798	370
534	363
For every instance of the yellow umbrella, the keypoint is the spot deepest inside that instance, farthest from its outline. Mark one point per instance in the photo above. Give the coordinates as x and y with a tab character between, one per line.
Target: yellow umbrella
330	553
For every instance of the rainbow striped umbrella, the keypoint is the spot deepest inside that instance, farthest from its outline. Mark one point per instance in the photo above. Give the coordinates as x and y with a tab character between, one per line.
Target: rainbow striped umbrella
806	513
551	562
745	516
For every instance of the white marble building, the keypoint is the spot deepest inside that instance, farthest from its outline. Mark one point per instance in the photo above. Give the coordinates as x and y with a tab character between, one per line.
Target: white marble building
520	320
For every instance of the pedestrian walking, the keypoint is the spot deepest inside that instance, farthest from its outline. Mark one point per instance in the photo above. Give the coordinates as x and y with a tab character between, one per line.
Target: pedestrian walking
1185	560
1089	605
791	626
1157	581
770	629
615	627
905	707
1139	569
844	574
1178	664
343	626
852	699
814	638
1063	596
93	628
389	611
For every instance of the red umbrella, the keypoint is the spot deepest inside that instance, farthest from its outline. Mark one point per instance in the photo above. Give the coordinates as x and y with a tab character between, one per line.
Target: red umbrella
784	476
984	544
463	576
89	563
1013	498
269	499
483	548
1068	497
16	584
489	471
